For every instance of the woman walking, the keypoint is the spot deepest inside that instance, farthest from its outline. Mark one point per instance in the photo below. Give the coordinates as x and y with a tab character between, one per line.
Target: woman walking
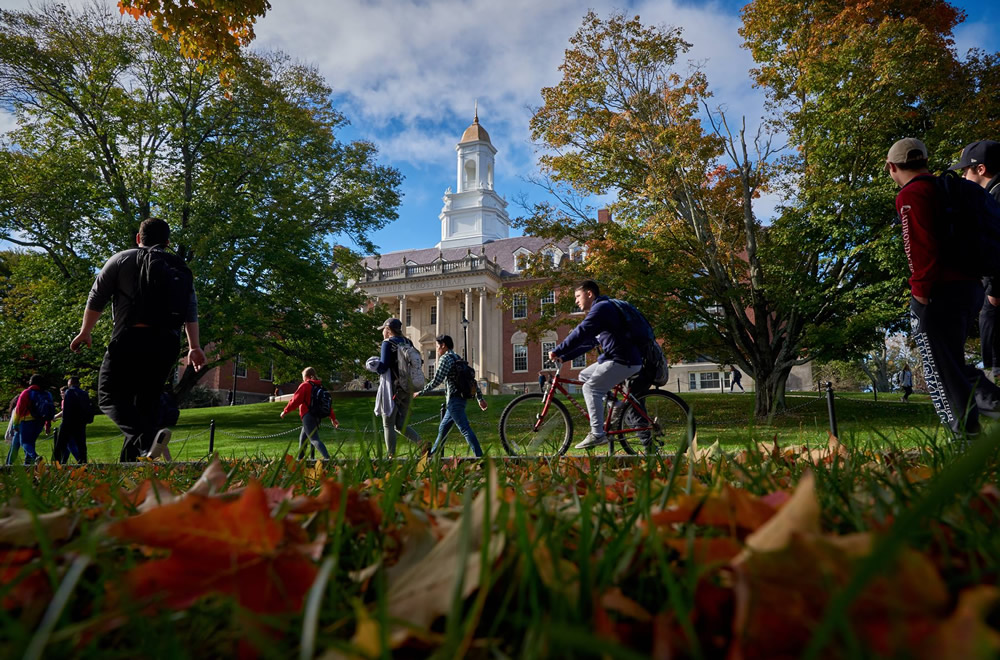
314	405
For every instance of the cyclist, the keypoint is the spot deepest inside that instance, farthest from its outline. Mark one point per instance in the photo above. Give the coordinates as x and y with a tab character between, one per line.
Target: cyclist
604	326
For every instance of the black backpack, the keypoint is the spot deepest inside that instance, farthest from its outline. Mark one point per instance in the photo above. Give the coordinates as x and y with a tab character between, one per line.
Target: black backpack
639	330
464	378
971	228
163	289
321	402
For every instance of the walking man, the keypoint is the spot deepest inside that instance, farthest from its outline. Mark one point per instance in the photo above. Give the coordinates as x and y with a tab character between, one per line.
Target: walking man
737	377
944	295
541	381
906	382
620	358
32	413
76	414
980	163
454	414
313	403
152	296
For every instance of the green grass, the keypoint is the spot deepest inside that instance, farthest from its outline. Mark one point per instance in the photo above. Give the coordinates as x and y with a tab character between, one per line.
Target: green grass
724	418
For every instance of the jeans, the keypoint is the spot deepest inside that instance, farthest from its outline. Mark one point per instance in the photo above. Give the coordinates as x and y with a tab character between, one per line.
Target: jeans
940	329
454	415
987	336
392	424
310	433
135	368
598	379
25	435
72	439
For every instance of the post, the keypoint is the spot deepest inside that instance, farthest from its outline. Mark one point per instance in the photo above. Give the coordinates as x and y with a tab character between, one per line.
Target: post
232	392
465	343
830	409
211	437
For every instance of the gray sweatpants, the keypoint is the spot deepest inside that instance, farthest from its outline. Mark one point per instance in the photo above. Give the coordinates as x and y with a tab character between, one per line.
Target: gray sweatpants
598	379
391	424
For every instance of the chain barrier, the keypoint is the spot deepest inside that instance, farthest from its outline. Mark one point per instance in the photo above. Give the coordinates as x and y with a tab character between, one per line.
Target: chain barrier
870	403
256	437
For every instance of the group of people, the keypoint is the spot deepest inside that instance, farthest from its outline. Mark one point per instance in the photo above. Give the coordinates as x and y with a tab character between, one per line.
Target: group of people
946	293
33	411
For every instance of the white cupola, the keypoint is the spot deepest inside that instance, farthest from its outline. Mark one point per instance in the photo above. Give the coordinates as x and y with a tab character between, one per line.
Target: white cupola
474	214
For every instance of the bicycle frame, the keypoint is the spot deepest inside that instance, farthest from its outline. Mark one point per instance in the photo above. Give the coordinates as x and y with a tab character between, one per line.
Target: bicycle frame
618	391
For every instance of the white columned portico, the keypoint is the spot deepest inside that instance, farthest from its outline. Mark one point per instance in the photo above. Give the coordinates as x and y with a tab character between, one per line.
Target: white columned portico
481	331
468	313
439	301
402	310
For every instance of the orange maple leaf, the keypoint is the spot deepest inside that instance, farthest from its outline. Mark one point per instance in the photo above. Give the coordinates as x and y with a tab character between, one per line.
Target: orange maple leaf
229	547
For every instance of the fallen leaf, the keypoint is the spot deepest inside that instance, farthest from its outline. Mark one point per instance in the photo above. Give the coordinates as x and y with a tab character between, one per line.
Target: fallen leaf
800	514
967	633
18	526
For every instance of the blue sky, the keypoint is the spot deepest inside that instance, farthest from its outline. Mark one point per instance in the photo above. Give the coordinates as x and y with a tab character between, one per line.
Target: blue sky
407	72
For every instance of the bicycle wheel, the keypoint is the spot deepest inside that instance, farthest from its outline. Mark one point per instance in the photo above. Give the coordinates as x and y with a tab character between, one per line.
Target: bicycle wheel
517	427
669	414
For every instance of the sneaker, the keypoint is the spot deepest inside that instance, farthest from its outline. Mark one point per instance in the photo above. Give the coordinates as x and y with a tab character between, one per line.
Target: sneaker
159	443
592	441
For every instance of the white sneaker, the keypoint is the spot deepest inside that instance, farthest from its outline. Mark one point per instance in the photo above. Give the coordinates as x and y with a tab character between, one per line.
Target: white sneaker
592	441
159	443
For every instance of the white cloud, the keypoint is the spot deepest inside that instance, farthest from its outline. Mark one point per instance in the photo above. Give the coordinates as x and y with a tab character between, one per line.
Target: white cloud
7	122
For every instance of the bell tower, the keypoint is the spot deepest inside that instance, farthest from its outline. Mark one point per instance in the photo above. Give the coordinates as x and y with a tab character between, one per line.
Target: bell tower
475	214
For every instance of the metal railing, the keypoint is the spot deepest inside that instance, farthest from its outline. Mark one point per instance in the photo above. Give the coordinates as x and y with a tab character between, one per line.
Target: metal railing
468	264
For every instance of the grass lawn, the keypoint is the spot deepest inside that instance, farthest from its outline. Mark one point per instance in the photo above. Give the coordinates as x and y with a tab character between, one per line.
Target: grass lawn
726	418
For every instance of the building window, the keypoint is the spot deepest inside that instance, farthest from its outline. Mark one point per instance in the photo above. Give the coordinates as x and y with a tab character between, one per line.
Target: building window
434	314
241	368
431	354
520	357
549	303
704	380
548	347
692	381
430	371
409	317
580	361
268	374
520	306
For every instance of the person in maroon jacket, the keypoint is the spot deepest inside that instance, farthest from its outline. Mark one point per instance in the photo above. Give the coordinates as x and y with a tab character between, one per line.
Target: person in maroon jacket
945	296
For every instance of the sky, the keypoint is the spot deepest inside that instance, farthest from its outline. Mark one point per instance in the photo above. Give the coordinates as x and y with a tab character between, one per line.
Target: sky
407	74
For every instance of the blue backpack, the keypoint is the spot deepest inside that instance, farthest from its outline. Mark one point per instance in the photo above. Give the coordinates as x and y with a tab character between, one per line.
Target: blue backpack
42	406
654	362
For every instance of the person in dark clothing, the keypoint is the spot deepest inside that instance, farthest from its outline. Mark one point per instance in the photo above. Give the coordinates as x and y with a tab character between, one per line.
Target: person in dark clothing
76	414
737	377
980	163
944	297
541	381
142	350
906	382
620	359
455	405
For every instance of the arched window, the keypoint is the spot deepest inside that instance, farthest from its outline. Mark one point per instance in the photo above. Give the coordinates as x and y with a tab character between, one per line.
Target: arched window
470	175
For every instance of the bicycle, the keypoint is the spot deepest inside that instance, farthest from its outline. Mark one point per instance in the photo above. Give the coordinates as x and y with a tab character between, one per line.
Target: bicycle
539	424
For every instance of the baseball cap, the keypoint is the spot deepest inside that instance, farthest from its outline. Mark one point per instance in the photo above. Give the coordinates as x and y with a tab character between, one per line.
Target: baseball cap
983	152
392	324
906	150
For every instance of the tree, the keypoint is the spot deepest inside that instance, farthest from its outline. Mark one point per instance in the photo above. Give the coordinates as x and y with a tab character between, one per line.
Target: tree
119	126
212	32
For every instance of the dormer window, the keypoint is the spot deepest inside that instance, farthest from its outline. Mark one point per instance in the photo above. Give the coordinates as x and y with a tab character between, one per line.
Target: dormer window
521	259
577	252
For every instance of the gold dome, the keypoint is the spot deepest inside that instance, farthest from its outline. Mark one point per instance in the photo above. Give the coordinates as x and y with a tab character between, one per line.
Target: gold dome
475	132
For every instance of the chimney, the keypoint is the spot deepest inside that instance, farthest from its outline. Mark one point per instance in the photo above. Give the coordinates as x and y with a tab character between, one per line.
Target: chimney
603	216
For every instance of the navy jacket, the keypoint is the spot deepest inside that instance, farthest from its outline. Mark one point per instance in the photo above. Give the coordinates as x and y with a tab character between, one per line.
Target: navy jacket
603	326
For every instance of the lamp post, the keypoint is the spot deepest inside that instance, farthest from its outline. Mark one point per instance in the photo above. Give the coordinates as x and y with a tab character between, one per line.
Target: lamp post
232	393
465	343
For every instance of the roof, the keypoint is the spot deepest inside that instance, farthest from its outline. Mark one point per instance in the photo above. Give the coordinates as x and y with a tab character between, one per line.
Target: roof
475	132
502	251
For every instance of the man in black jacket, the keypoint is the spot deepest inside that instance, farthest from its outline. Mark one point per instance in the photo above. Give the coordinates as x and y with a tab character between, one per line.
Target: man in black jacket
980	163
144	343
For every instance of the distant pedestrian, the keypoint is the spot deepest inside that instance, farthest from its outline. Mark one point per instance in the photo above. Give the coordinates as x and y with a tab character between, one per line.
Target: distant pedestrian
454	415
397	365
541	381
314	405
33	412
76	414
11	435
737	377
906	382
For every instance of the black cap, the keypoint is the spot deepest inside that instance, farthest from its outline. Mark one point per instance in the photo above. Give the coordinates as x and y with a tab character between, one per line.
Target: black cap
393	324
984	152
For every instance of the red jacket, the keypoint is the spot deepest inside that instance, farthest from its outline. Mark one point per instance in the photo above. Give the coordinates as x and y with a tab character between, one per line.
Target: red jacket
303	397
919	210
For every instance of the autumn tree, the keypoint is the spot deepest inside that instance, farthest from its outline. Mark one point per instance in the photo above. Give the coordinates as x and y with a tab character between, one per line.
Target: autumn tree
115	125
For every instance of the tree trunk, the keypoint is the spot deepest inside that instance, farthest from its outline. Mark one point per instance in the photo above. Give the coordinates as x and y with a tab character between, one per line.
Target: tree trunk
769	397
189	379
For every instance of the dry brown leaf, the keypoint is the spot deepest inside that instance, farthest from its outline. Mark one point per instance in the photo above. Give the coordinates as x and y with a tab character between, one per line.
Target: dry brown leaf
421	587
209	483
967	633
18	528
800	514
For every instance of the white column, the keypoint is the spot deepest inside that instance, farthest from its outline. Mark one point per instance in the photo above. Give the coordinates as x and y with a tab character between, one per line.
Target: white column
439	301
468	309
481	331
402	311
